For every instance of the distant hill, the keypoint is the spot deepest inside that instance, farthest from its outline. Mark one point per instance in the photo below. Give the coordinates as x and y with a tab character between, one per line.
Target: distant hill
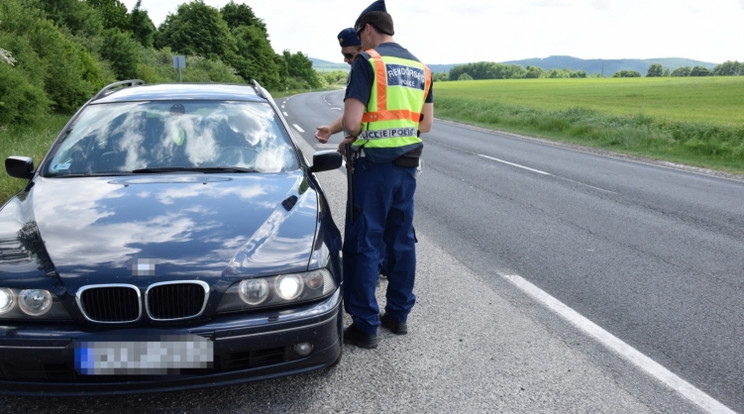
604	67
607	67
326	66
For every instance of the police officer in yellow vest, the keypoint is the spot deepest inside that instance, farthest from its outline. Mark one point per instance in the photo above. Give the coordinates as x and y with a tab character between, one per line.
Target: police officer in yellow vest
388	102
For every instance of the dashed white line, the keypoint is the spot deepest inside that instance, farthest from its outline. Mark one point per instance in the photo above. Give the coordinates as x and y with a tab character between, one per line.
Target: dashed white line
542	172
684	388
513	164
297	127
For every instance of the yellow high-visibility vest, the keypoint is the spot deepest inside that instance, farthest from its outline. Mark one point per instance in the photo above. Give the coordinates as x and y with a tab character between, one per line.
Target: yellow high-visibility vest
393	112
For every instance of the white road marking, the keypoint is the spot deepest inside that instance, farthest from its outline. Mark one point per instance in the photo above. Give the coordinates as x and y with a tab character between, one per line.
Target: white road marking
513	164
684	388
542	172
587	185
297	127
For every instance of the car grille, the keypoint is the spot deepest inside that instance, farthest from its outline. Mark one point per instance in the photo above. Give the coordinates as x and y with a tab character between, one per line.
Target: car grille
176	300
164	301
110	303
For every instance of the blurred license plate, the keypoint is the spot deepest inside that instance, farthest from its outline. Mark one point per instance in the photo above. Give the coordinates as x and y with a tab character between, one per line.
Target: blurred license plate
167	355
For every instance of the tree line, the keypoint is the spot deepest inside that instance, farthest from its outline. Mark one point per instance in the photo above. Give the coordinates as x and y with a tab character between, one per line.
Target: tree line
728	68
56	54
491	70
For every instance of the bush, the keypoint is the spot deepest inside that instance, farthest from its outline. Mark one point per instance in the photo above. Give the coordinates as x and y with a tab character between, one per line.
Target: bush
156	66
204	70
54	61
73	75
627	74
122	51
21	101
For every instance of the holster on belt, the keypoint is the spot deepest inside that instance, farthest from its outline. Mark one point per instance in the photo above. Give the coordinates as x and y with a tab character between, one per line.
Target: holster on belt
409	159
406	161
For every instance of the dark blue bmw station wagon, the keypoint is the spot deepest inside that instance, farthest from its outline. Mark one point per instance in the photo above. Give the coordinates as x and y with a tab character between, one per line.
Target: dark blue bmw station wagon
174	236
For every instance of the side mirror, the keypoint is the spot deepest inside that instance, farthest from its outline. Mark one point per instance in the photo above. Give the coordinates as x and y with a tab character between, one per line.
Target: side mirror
326	160
19	167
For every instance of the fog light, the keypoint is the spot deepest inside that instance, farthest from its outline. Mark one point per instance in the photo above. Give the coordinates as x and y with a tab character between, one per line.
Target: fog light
7	300
35	302
288	287
303	348
253	291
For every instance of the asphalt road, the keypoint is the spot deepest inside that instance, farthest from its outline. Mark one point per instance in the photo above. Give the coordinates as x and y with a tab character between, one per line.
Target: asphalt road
583	284
650	252
653	254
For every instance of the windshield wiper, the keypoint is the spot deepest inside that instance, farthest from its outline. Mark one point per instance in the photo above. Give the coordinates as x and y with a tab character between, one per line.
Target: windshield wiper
193	169
86	174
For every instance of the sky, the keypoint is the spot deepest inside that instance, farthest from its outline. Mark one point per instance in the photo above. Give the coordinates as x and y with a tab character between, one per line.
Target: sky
467	31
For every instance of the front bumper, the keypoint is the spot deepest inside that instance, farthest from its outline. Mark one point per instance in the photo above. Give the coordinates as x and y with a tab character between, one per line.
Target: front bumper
35	360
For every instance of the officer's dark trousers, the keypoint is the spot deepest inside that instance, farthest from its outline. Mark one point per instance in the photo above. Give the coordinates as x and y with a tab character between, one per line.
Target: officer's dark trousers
383	216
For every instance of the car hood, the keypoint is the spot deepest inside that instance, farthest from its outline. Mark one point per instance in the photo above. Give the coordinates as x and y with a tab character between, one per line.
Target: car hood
169	226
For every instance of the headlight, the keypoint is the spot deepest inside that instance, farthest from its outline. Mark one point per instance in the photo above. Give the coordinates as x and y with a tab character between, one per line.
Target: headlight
35	302
30	304
288	287
7	300
253	291
281	290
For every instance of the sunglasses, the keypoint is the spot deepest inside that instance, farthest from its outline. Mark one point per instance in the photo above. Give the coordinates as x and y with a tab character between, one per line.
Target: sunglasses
349	56
359	31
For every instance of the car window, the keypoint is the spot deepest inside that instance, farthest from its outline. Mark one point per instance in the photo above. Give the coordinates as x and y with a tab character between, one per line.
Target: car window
120	138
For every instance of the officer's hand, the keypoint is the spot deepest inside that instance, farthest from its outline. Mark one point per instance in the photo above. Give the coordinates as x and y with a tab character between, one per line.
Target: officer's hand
342	145
323	133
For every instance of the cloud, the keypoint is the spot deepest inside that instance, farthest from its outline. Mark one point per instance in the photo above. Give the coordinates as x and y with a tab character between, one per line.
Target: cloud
603	4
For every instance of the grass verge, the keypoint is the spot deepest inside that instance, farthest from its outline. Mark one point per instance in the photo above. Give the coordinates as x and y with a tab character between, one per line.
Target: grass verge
31	141
587	117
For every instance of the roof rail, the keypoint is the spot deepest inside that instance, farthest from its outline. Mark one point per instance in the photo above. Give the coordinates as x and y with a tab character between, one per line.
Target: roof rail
261	91
110	88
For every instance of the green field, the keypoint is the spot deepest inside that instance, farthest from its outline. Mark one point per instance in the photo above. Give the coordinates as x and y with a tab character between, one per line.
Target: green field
696	121
712	100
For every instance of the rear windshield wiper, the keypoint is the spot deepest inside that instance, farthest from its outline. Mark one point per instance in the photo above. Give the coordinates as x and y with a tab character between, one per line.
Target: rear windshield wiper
193	169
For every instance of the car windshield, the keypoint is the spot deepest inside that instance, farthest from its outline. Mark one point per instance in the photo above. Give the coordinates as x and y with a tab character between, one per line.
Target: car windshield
160	136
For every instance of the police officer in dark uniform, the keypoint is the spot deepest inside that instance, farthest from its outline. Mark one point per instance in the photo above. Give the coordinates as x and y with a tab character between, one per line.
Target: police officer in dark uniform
388	103
350	46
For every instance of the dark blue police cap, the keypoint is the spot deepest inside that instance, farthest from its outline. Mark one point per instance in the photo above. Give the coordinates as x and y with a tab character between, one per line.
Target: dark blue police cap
348	37
378	5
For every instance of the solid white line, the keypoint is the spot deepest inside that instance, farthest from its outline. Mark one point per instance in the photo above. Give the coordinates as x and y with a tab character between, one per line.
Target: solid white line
513	164
687	390
297	127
